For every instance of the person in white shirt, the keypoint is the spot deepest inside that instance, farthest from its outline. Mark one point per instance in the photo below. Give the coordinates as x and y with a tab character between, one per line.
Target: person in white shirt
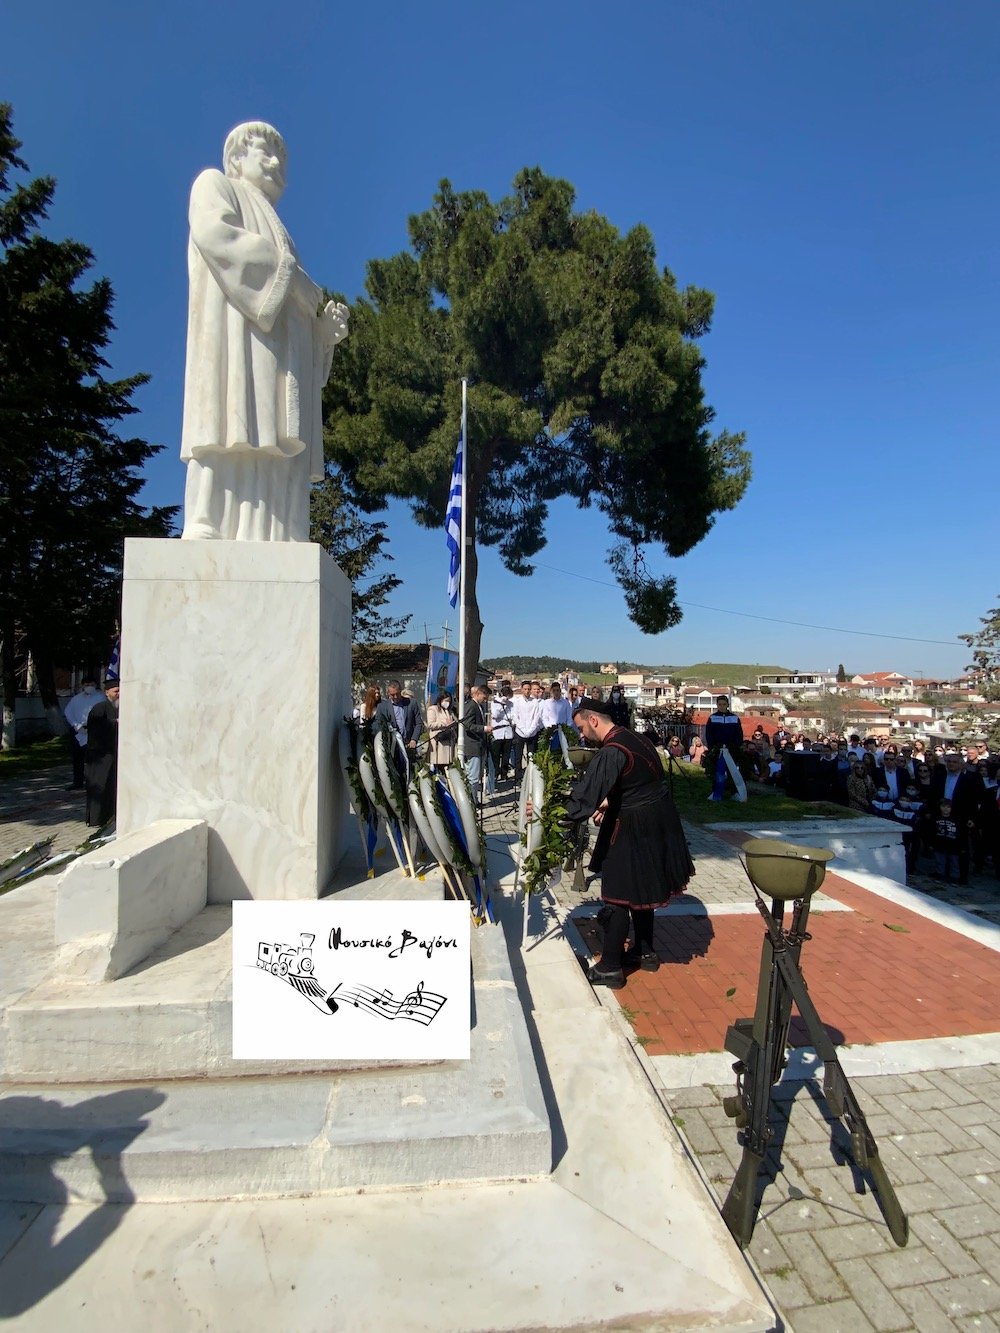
556	711
502	740
527	723
76	713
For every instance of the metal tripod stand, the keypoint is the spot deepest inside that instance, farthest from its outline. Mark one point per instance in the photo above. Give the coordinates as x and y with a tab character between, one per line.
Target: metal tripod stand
788	872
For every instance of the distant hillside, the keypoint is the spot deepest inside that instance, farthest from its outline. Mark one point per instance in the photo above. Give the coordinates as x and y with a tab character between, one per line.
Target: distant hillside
723	673
521	665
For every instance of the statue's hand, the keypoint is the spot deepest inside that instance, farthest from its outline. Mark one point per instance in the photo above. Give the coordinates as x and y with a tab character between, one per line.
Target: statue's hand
336	315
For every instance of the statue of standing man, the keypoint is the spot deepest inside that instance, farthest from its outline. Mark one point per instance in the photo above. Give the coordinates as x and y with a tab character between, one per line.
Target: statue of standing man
258	354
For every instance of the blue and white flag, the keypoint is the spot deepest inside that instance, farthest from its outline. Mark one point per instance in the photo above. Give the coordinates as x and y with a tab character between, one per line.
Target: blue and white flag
114	666
453	527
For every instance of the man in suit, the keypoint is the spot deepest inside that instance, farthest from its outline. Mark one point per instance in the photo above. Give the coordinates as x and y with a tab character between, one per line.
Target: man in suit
953	782
402	714
891	775
476	730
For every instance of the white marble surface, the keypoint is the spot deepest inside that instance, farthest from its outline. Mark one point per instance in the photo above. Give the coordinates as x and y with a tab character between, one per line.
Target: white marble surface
871	845
116	904
235	674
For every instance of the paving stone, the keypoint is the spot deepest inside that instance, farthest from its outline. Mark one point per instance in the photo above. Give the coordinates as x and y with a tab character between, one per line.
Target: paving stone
901	1168
852	1241
975	1162
879	1085
923	1196
985	1138
790	1292
805	1156
768	1252
838	1317
696	1130
956	1090
931	1100
924	1311
814	1268
975	1294
962	1138
943	1172
945	1248
910	1267
975	1112
977	1219
865	1287
986	1250
933	1143
976	1323
681	1098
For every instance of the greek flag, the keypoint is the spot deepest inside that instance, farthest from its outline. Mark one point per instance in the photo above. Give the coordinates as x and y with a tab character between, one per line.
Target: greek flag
453	527
114	666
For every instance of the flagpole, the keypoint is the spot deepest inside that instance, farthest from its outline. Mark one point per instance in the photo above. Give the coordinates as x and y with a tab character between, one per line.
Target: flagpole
461	574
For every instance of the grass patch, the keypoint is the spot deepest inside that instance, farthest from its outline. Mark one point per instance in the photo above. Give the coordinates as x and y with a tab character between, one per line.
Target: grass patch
768	806
30	758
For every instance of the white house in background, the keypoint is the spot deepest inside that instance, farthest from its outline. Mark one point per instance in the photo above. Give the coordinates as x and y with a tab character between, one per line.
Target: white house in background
609	669
700	697
914	716
658	692
884	685
803	719
806	683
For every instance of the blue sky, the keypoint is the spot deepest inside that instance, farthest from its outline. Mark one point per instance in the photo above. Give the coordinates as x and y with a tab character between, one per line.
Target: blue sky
829	171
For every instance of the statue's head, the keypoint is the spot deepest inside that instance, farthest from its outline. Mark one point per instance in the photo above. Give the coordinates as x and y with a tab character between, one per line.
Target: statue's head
256	152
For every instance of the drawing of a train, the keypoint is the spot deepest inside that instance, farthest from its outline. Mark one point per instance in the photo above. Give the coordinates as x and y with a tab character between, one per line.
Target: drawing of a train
282	959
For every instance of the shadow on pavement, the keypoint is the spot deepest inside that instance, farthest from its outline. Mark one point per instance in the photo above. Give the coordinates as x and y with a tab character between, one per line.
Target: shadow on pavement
36	1133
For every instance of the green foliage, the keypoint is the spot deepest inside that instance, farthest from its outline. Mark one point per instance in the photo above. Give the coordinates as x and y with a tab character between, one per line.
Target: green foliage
557	842
356	543
585	382
69	483
764	807
985	645
31	758
545	668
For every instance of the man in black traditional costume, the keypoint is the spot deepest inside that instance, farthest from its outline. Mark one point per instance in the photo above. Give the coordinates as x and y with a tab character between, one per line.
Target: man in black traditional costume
641	850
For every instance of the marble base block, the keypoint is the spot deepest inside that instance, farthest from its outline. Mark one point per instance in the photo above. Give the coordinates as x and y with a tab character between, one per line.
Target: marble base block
236	670
116	904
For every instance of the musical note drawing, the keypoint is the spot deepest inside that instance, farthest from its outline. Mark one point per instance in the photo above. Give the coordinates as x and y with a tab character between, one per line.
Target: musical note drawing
294	965
418	1006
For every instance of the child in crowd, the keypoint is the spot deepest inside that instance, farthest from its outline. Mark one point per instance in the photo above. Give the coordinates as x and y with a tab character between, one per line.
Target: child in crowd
906	812
882	804
947	843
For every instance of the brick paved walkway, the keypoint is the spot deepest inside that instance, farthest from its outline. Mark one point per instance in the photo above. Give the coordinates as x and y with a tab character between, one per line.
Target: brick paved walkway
37	806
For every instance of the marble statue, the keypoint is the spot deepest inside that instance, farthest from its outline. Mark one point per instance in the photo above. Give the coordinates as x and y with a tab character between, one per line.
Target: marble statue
258	354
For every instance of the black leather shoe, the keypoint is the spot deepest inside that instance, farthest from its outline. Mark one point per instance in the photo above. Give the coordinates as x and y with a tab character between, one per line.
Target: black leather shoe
647	961
613	980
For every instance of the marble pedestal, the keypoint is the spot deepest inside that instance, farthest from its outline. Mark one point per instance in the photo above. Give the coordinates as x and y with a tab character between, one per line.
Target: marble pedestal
236	667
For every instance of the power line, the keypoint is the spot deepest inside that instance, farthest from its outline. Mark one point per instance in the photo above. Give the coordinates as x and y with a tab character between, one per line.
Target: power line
772	620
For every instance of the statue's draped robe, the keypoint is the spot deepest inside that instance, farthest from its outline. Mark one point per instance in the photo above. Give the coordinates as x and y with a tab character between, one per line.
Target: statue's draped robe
257	359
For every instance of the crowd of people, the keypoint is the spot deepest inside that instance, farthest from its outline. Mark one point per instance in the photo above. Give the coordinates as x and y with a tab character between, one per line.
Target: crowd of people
500	727
945	799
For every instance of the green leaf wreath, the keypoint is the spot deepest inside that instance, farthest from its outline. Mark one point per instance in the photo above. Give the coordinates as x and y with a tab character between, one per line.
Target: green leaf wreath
557	841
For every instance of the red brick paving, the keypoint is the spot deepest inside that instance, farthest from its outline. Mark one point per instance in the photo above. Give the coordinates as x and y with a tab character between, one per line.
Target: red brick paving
869	983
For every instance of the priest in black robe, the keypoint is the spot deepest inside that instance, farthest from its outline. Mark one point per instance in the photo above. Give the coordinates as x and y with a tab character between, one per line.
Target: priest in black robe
101	768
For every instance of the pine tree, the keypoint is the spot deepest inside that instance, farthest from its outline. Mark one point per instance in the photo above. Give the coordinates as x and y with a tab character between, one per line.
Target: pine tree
585	382
356	544
68	482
